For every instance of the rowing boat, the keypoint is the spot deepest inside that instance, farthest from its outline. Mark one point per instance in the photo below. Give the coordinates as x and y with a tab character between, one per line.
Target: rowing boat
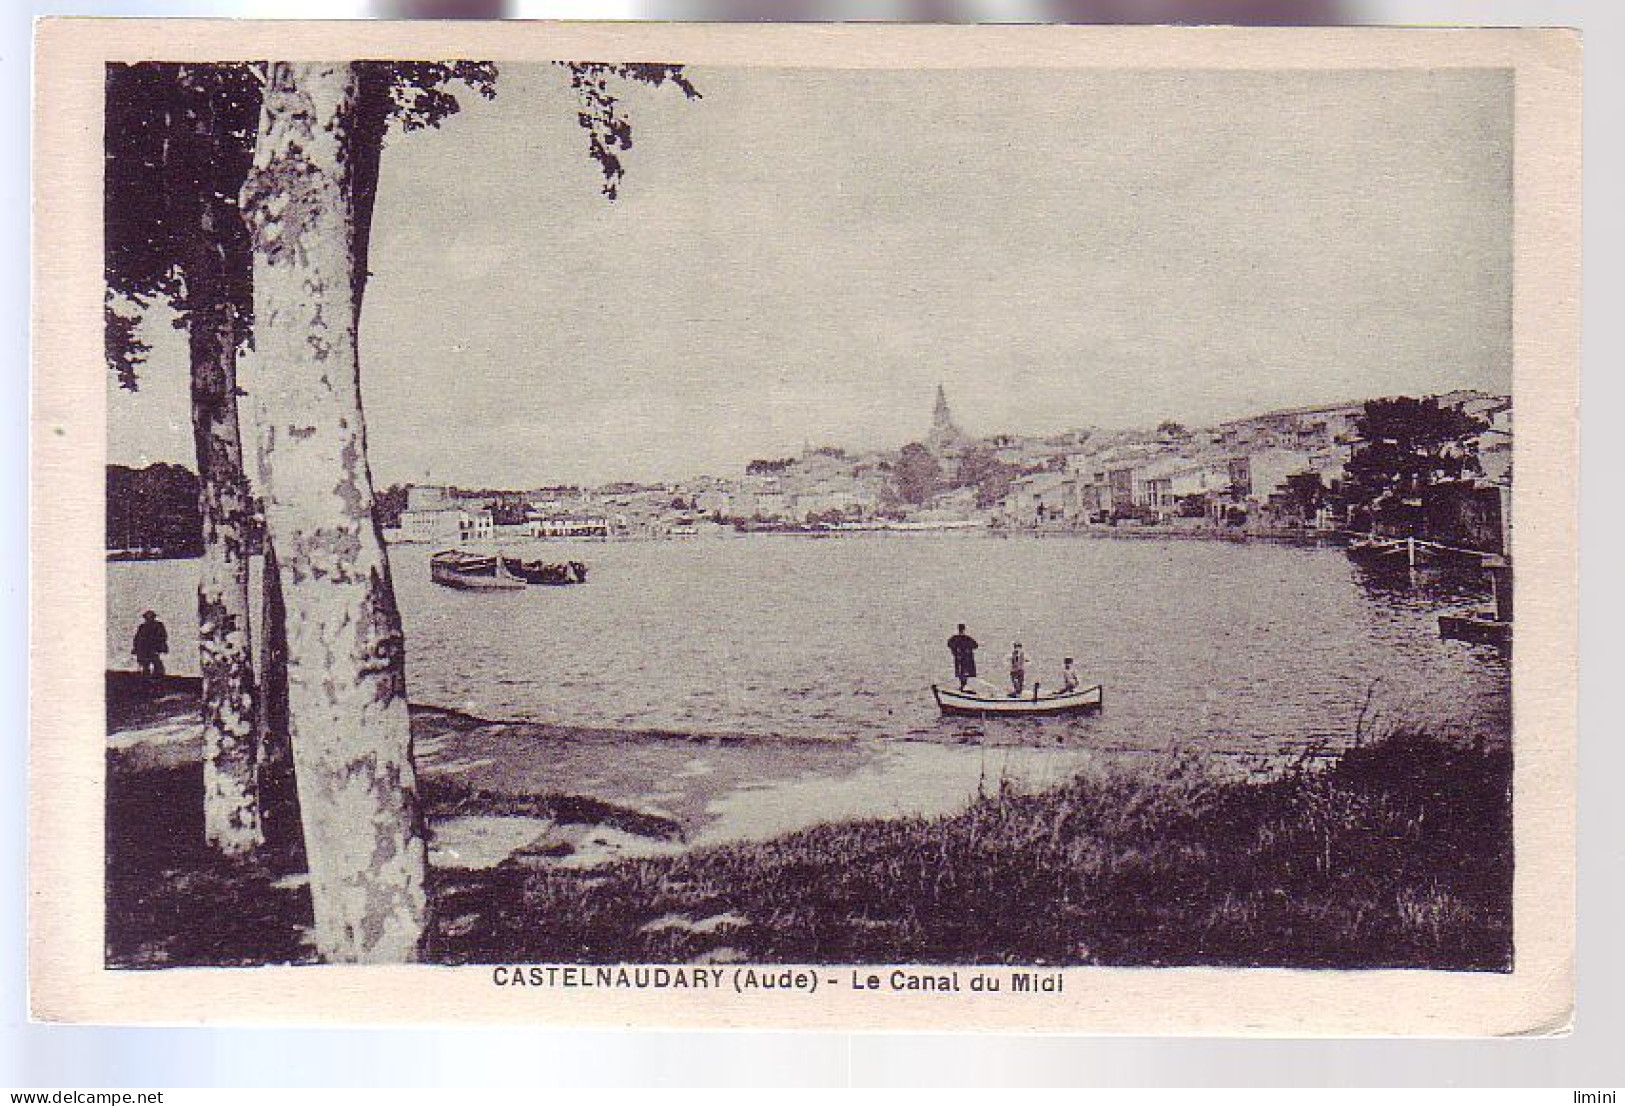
1025	706
472	572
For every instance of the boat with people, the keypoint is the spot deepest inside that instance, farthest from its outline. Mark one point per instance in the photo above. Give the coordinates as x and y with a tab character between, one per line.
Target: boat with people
547	573
454	568
1035	705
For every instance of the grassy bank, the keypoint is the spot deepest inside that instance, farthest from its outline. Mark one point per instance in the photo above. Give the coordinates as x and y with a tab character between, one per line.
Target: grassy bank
1397	854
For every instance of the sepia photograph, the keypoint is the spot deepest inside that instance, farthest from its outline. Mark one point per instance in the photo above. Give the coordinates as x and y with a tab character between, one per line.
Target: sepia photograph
601	522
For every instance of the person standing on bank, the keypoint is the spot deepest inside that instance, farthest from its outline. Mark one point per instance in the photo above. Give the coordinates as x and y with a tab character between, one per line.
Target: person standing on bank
151	643
963	647
1018	670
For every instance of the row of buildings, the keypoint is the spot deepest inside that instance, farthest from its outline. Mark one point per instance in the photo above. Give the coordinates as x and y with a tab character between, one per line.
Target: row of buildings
442	515
1241	469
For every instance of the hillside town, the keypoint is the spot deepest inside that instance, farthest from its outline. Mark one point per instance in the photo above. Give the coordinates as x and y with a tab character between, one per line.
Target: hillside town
1282	470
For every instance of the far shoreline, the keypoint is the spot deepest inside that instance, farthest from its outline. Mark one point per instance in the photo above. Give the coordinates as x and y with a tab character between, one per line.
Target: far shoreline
1127	530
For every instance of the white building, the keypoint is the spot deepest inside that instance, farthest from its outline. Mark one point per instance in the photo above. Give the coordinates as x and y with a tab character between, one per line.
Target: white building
1210	477
1263	473
568	526
1041	497
446	525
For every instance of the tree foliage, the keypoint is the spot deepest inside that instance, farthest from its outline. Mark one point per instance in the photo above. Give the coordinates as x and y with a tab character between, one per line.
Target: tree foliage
146	182
154	178
1304	494
155	175
1408	446
604	117
917	475
154	508
980	468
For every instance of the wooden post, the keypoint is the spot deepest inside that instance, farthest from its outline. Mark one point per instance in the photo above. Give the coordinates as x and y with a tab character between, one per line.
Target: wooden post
1499	570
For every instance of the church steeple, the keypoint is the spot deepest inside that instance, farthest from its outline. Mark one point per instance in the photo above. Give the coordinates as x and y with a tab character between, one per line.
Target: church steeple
944	436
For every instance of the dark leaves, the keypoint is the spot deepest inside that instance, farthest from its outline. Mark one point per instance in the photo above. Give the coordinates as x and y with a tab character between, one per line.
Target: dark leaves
604	118
125	350
1409	447
178	141
418	98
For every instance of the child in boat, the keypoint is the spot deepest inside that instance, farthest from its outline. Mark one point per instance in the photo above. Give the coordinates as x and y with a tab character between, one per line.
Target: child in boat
1069	677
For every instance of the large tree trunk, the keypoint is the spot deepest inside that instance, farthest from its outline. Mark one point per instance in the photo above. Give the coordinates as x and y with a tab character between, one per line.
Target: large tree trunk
352	742
231	816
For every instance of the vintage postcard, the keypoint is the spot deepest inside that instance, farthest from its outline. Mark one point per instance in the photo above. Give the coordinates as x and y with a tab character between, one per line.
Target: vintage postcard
1010	529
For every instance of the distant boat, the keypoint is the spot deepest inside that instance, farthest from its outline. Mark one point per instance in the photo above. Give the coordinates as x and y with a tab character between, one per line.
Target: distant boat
1372	550
545	573
1384	551
454	568
1024	706
143	554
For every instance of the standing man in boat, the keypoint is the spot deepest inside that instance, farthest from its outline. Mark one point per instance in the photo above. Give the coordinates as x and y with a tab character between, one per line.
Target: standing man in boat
1069	677
151	643
1018	670
963	647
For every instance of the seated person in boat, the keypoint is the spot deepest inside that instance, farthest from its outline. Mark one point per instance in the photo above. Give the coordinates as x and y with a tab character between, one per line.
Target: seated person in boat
1069	677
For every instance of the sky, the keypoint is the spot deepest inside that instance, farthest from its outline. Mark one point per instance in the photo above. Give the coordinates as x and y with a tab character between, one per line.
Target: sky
802	256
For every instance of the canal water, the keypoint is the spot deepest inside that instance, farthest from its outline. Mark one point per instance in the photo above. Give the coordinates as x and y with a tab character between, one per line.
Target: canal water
1244	648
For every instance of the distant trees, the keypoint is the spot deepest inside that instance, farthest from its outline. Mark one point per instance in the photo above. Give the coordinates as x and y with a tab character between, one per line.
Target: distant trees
1193	506
388	505
917	476
769	466
980	468
1305	494
508	510
1409	447
154	508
